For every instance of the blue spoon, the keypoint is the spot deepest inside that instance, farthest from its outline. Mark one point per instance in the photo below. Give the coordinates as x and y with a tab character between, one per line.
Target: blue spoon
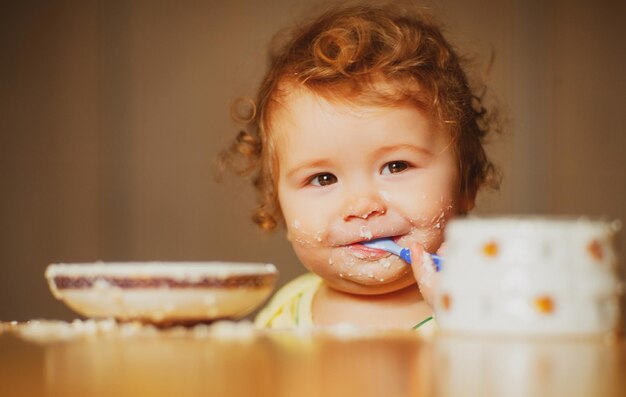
386	244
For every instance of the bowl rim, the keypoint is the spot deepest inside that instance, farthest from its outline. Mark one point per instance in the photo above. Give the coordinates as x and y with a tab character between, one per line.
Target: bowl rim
160	269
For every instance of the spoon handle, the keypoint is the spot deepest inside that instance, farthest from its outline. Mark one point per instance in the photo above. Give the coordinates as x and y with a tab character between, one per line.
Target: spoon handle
405	254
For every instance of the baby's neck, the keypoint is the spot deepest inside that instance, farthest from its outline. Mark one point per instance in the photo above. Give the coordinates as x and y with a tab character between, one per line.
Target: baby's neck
401	309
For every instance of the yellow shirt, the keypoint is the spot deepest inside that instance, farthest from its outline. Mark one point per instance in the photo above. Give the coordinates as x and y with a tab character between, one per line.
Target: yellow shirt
291	306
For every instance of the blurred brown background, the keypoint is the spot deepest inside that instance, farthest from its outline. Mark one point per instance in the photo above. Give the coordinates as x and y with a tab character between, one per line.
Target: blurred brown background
111	113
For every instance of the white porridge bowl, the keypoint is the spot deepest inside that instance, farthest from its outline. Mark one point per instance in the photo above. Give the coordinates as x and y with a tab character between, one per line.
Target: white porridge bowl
162	293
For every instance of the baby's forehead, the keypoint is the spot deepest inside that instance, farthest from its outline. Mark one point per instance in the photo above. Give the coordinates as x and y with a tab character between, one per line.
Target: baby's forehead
296	103
345	97
307	120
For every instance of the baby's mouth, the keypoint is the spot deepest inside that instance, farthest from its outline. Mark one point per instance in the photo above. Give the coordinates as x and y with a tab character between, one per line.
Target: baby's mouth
363	252
366	253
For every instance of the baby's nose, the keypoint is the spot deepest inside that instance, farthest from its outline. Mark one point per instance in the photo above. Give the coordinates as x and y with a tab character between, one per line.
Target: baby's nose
364	207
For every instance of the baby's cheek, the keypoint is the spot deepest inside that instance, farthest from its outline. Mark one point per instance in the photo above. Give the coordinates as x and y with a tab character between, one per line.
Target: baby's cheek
428	217
314	258
428	211
303	233
309	242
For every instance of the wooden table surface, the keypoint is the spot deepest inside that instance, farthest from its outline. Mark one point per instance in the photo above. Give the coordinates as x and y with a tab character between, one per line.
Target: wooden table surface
238	361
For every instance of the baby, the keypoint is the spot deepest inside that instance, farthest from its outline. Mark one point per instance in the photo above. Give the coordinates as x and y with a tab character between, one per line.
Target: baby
364	127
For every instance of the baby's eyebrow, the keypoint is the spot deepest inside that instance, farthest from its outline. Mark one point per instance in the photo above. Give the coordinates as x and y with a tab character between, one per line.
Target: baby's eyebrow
322	163
392	148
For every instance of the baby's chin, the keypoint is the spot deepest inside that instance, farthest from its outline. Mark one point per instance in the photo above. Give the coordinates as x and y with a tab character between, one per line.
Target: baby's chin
367	286
367	277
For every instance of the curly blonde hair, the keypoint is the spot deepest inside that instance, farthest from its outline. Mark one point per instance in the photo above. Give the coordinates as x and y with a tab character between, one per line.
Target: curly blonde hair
365	54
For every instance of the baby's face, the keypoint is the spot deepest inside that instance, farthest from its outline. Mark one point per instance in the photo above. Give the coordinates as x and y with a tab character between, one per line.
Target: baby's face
349	174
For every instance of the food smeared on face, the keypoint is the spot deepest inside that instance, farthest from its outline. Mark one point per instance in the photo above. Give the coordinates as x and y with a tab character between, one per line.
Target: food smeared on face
352	173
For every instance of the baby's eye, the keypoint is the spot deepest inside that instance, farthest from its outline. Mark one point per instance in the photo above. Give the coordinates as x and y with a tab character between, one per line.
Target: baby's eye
323	179
394	167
